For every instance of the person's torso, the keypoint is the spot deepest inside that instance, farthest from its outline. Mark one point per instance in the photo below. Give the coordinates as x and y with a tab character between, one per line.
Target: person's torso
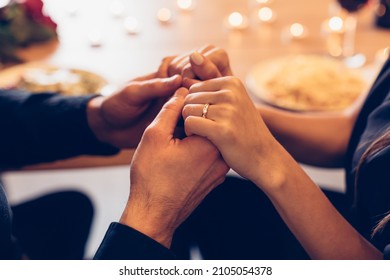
370	194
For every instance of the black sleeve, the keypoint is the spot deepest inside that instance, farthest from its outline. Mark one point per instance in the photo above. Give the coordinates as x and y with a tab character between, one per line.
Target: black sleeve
45	127
124	243
386	252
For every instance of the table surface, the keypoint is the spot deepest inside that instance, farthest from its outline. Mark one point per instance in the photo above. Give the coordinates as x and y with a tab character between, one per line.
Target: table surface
123	56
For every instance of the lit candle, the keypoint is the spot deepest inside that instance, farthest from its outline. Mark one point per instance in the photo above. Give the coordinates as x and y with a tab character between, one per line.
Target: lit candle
95	38
334	30
263	2
266	15
336	24
297	31
186	5
4	3
117	8
164	15
131	25
237	21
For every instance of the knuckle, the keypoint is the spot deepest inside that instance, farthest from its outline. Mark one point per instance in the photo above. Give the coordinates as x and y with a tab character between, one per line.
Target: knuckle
188	73
236	82
213	152
188	122
149	133
188	125
131	88
168	59
223	54
186	111
226	131
207	151
194	88
222	168
228	96
172	69
211	71
228	114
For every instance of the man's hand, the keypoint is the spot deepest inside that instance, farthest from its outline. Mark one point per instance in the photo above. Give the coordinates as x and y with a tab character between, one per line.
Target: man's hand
205	63
121	119
169	176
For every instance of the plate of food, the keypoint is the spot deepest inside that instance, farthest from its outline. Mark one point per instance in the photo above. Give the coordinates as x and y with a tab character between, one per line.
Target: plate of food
38	77
306	83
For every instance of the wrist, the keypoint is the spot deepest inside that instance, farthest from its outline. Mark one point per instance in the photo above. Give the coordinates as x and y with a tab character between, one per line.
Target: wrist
95	119
152	223
272	172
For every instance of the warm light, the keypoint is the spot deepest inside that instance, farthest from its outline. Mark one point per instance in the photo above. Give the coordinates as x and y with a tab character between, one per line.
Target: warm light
236	19
117	8
336	24
164	15
131	25
185	5
263	1
265	14
4	3
297	30
95	38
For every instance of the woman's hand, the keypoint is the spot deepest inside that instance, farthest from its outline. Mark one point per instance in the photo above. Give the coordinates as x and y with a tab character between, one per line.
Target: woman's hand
236	128
169	176
205	63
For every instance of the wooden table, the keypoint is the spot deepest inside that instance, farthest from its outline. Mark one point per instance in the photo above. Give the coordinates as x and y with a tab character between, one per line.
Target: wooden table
122	56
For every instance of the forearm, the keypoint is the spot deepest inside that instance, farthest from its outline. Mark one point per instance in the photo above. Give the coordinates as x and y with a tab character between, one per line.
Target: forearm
44	127
318	226
316	139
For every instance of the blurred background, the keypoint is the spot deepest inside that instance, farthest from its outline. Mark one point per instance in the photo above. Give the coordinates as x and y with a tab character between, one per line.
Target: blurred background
117	40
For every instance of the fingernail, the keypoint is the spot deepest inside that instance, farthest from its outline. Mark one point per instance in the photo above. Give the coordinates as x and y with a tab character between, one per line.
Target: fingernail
197	58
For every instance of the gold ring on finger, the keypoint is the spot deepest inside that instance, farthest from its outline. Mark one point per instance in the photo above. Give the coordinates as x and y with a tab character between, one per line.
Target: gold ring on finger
205	110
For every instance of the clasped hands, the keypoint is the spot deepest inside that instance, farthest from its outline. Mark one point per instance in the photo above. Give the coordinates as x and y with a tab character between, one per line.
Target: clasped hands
171	176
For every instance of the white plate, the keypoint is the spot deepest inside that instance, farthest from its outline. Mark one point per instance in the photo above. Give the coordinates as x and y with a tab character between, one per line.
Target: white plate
88	82
306	83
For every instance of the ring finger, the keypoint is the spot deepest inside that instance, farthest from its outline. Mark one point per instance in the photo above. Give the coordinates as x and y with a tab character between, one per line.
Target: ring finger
211	111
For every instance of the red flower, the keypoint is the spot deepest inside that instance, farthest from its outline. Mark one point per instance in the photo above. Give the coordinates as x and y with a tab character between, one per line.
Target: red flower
34	10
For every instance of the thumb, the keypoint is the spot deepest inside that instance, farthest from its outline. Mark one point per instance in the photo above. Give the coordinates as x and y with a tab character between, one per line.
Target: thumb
170	113
145	91
203	68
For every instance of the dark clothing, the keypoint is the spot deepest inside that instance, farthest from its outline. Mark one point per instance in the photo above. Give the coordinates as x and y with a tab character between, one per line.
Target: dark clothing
238	221
8	248
54	226
44	127
370	198
124	243
386	252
